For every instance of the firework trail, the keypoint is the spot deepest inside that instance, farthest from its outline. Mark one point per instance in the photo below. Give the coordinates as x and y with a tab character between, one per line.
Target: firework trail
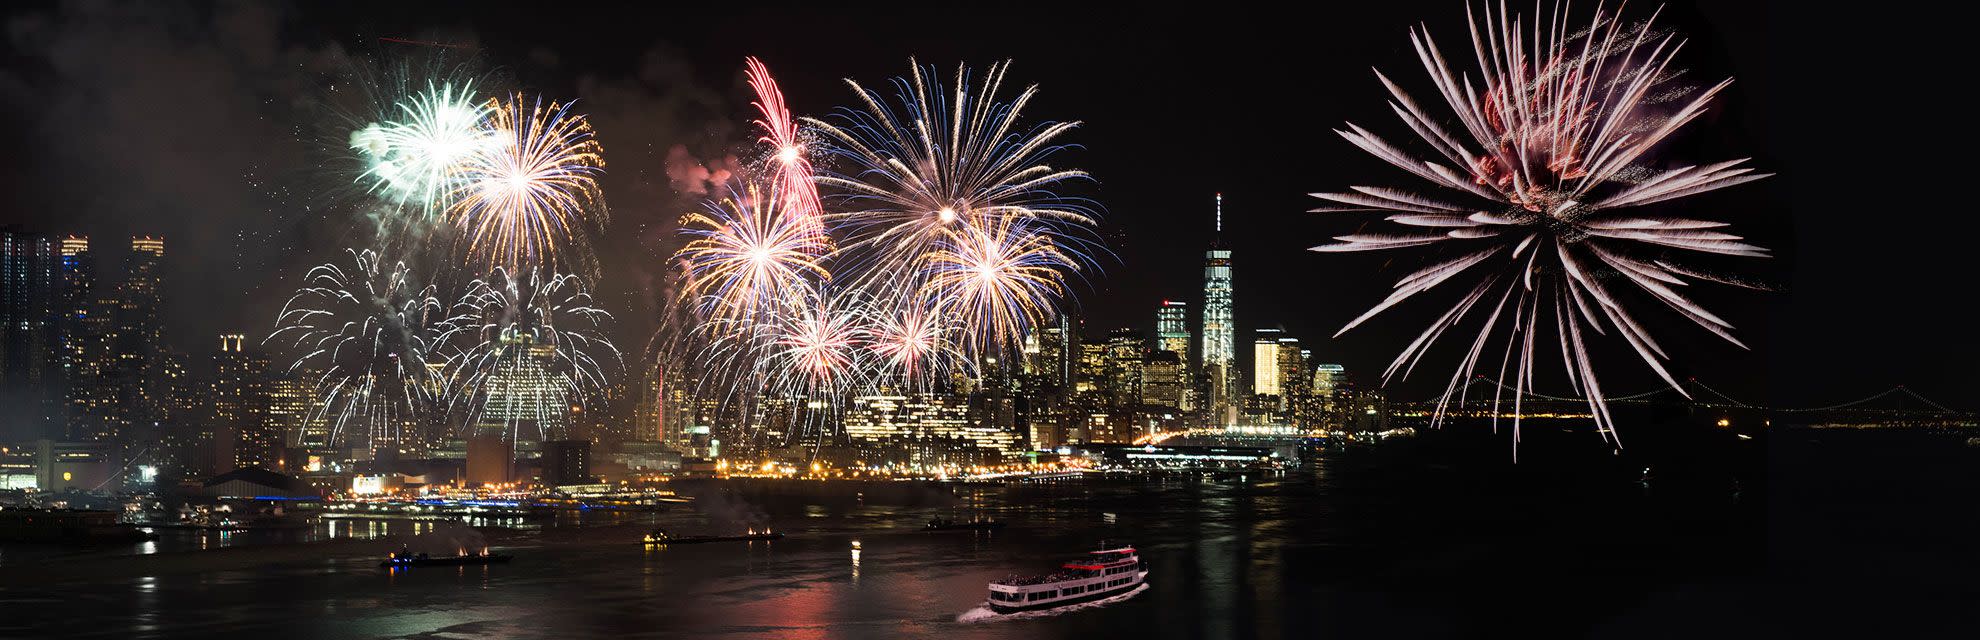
529	197
414	158
998	281
1535	195
749	258
789	160
364	332
529	346
939	163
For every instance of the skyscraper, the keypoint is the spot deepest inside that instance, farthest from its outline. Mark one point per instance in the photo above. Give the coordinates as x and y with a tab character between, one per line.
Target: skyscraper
29	284
1291	364
144	388
1172	329
1219	324
1162	380
240	427
1265	363
83	335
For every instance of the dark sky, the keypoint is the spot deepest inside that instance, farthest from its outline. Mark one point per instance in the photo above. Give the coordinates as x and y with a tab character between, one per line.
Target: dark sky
207	123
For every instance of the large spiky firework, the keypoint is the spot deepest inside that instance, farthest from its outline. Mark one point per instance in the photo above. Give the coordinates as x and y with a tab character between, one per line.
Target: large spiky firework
907	175
527	348
997	282
1536	195
914	346
364	331
529	198
818	352
749	257
416	154
789	158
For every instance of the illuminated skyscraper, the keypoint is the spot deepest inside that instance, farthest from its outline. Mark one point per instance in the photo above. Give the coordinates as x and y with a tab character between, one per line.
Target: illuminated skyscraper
1327	378
1265	363
1126	349
292	415
144	387
1172	329
1162	380
83	335
240	423
1291	363
1219	325
29	287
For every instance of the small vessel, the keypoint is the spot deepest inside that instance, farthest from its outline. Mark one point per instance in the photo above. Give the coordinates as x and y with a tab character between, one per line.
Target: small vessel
985	524
406	558
661	537
1110	571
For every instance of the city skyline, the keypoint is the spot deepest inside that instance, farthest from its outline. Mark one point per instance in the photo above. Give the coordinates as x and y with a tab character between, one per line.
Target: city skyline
500	319
1263	198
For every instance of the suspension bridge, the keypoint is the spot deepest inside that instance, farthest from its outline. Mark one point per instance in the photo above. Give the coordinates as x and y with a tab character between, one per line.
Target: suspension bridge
1896	407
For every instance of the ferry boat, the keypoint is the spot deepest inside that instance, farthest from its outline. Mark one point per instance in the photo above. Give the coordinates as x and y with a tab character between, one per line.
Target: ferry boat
1101	574
660	537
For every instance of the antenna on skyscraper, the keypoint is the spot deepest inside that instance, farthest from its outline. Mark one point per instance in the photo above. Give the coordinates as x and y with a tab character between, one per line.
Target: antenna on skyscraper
1220	213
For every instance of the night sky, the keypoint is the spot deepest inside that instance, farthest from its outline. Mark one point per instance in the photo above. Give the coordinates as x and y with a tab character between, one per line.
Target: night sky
212	125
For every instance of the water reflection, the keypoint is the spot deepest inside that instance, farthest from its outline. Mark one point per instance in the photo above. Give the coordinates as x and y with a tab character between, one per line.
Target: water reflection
1223	559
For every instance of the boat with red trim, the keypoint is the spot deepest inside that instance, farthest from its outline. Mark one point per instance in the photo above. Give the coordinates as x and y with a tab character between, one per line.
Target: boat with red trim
1110	571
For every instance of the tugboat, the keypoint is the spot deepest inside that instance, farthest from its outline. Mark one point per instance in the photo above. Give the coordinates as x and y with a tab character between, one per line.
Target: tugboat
659	537
1107	572
404	557
985	524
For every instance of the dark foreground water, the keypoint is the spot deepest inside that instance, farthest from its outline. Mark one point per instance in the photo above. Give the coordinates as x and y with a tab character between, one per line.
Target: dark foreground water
1377	543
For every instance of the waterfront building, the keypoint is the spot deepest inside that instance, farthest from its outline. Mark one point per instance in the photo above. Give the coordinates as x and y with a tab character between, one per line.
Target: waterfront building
900	419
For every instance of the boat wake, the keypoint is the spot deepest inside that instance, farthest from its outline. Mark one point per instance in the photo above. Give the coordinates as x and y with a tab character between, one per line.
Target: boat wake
984	614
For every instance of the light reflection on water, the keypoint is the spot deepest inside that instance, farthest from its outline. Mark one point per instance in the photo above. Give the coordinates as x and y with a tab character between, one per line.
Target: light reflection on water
1227	559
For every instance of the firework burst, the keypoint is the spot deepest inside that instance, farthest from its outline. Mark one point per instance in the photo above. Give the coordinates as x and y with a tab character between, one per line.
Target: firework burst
414	160
529	197
819	351
364	332
997	281
912	346
1536	194
749	257
940	162
530	346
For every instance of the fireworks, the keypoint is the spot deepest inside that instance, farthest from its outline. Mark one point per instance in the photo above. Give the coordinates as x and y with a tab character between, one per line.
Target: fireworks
941	163
531	345
531	194
912	345
517	177
415	162
749	257
949	245
817	351
1536	190
789	161
364	332
998	281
